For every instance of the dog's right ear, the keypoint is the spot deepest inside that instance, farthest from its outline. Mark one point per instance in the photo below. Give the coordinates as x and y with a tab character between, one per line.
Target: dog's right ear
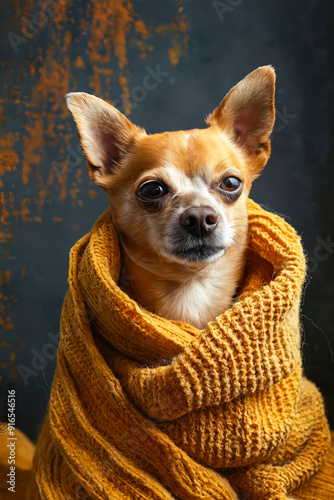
105	134
247	115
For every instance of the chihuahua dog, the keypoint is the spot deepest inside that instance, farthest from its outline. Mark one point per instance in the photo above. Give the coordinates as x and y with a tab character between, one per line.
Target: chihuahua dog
178	199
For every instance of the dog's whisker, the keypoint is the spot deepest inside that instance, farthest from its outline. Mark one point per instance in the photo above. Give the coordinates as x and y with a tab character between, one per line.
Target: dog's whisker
177	270
155	225
245	246
150	247
237	228
240	225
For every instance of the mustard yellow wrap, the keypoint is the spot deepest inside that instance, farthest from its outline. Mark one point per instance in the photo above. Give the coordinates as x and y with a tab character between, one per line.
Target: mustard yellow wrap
146	408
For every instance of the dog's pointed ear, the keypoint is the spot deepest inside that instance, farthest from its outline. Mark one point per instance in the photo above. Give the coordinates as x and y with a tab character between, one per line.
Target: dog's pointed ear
247	113
105	134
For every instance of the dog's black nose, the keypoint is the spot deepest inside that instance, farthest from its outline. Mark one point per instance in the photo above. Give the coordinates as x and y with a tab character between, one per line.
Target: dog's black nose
199	221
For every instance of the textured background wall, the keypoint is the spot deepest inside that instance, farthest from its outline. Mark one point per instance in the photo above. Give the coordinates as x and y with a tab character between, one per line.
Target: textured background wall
197	49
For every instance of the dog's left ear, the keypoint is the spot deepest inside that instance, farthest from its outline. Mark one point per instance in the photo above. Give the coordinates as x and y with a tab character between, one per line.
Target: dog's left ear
247	114
106	135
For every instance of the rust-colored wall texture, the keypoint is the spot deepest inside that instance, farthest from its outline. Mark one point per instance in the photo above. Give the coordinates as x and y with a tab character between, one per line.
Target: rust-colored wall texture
167	65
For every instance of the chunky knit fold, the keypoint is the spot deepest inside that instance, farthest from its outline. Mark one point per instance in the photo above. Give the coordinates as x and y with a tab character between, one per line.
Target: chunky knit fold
144	407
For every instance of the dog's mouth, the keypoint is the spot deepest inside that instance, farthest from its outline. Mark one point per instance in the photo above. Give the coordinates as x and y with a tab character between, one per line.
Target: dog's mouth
199	253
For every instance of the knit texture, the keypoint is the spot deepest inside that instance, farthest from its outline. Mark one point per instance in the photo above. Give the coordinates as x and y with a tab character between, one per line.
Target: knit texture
146	408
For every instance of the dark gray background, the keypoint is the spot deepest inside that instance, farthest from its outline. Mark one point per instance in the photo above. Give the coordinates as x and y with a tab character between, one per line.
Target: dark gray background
295	37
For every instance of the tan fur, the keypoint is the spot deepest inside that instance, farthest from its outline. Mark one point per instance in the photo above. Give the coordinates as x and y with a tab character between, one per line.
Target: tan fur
191	163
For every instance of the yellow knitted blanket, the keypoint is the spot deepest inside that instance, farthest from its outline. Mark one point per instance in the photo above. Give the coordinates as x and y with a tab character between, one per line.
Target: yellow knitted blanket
146	408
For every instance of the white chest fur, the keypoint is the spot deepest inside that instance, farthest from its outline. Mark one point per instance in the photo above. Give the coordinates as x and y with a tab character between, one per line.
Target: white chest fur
202	298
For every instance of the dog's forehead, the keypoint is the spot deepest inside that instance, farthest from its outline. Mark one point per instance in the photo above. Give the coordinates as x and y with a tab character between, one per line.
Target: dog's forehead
193	154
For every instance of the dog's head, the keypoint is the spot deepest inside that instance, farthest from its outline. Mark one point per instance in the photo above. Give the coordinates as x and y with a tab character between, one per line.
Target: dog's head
180	196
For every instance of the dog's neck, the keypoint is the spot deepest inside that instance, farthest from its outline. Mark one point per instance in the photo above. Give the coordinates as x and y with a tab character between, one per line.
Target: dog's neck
183	293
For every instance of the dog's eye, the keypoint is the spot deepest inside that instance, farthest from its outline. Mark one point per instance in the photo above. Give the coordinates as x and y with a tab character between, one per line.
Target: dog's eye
230	184
153	190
